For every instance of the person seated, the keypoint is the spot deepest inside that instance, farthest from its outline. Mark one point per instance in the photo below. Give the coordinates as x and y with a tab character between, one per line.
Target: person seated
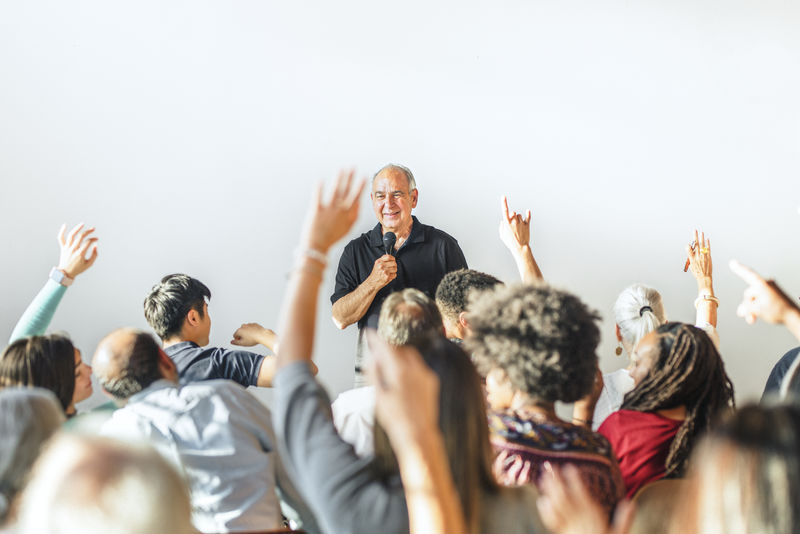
28	418
452	298
30	360
638	311
405	316
681	389
536	345
177	310
91	485
214	431
351	494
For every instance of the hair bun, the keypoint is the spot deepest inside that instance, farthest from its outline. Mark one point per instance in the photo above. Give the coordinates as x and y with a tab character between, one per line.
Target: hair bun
644	309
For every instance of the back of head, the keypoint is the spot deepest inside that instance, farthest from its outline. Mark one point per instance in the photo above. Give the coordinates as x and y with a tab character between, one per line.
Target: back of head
126	362
453	292
28	417
407	316
688	371
43	361
543	338
167	304
638	311
92	485
747	474
462	419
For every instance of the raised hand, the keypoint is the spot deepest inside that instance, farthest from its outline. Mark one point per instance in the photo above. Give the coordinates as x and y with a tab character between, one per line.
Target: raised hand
74	247
699	257
763	299
328	222
515	231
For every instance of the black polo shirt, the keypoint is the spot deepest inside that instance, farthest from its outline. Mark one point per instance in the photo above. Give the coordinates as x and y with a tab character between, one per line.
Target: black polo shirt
425	257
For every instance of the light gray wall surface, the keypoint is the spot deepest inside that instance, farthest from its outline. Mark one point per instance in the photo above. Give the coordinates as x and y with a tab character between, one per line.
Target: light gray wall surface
191	133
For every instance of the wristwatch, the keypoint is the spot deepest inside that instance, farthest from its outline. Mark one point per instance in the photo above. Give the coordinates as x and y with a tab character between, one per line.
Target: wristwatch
59	276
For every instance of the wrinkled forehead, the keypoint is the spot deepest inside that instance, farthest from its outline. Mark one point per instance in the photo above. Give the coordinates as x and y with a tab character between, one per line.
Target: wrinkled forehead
389	181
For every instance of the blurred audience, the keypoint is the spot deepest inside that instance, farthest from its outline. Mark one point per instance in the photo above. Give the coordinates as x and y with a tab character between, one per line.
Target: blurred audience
214	432
536	345
92	485
28	418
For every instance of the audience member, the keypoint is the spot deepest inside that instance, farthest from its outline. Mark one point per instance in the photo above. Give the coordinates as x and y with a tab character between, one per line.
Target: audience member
638	311
680	391
35	363
536	345
406	316
407	393
28	417
515	233
366	495
215	432
177	309
765	300
93	485
452	298
420	255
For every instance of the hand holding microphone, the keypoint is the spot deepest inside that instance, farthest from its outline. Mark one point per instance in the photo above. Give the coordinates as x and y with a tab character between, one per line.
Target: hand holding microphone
385	268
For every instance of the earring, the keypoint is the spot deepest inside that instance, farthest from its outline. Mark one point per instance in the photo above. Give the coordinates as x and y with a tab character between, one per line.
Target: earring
618	351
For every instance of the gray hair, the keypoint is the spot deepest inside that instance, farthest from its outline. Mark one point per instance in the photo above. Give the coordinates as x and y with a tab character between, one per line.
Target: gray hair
28	417
412	183
638	311
408	316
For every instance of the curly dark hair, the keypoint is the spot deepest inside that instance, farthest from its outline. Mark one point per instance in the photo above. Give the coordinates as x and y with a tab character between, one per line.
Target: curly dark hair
452	294
543	338
687	372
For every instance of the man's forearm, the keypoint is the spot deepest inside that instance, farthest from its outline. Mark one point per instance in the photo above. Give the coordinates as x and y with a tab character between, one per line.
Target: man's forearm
526	265
352	307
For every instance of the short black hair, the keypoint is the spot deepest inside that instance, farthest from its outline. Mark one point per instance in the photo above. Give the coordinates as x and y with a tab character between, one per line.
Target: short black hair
452	295
169	301
137	370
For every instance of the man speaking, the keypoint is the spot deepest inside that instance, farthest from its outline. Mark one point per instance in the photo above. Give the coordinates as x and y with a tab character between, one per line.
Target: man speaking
399	252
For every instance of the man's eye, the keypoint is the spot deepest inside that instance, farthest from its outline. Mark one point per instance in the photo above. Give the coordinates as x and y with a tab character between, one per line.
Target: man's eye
398	194
379	196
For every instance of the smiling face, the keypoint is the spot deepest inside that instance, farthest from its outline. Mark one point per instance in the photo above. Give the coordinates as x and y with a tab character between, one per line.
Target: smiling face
392	200
83	379
643	358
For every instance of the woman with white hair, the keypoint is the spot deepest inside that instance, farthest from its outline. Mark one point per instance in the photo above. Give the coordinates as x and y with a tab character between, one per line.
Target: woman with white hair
638	311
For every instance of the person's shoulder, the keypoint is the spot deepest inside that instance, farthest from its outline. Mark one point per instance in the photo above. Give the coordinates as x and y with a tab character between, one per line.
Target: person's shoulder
435	234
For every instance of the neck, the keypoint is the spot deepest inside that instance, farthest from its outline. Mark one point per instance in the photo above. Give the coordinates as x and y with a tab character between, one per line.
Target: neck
179	339
70	410
677	414
523	402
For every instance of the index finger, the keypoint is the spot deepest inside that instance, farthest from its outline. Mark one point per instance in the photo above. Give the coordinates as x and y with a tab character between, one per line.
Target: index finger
355	193
745	273
504	206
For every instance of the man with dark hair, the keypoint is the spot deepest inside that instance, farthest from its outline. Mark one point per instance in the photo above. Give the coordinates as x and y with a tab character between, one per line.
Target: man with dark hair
452	298
420	256
215	432
177	309
406	318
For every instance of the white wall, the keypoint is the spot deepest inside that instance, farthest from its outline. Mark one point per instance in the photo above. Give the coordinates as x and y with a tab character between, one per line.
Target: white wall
190	134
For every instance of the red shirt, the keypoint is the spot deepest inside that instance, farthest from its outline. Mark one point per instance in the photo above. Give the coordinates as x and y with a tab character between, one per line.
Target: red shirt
641	442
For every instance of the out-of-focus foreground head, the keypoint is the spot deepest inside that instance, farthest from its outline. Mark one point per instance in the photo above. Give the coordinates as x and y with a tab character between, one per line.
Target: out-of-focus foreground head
408	316
41	361
94	485
128	360
637	312
543	339
746	475
28	417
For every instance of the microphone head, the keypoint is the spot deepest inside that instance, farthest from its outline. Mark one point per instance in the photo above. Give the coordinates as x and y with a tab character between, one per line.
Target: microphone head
389	240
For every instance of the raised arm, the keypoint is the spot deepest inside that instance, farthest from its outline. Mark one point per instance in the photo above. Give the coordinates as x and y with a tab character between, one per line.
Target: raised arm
699	257
326	223
407	406
765	300
72	262
515	232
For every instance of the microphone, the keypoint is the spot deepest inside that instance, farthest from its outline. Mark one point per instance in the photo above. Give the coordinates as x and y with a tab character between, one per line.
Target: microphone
388	242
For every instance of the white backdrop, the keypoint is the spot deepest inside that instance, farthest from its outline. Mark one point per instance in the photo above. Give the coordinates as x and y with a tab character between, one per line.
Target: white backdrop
190	134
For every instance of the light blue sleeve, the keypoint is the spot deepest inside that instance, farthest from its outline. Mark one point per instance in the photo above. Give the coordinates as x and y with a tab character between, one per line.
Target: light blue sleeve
37	316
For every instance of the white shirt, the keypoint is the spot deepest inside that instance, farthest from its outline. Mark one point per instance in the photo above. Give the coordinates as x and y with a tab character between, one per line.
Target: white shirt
354	418
220	437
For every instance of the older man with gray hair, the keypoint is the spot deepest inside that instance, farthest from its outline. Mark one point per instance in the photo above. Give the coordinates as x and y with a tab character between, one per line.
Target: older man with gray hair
399	252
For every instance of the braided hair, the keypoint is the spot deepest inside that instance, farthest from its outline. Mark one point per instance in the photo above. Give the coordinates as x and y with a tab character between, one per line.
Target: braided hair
688	371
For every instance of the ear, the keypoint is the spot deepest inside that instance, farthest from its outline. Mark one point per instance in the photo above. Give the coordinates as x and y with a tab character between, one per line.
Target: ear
617	331
193	317
462	319
414	198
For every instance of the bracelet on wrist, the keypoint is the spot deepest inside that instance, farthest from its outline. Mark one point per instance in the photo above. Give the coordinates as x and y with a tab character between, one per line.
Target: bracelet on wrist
311	253
704	297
